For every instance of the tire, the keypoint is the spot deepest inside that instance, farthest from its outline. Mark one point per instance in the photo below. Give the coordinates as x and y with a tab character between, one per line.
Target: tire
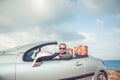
101	76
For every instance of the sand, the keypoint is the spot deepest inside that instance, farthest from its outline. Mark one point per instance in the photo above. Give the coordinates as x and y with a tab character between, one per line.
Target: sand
113	74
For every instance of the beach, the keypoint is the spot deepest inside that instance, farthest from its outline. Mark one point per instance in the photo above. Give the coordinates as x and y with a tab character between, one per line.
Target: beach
113	74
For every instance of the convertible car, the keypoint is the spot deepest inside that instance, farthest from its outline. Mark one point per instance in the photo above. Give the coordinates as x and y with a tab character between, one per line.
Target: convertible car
22	63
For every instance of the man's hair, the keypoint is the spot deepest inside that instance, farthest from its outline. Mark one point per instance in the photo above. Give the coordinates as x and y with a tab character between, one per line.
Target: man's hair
62	44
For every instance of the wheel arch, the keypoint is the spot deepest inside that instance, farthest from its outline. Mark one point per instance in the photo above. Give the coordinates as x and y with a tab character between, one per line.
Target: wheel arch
104	73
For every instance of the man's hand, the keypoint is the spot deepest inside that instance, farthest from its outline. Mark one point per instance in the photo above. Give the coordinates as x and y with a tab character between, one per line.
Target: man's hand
57	57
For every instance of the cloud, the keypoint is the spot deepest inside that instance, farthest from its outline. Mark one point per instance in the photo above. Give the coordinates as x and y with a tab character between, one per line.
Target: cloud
102	6
3	41
89	37
15	38
100	22
64	35
116	29
30	12
17	15
4	21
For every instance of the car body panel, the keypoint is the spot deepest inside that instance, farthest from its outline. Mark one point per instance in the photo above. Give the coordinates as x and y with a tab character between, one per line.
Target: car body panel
53	69
7	67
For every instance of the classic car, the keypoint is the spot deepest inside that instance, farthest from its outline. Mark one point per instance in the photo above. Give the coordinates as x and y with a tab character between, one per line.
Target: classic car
20	63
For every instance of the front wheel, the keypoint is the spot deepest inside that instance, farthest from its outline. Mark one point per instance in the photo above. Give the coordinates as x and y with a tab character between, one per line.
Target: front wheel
101	76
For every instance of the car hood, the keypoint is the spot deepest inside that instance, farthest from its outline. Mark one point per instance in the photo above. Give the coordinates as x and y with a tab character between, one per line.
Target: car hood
7	58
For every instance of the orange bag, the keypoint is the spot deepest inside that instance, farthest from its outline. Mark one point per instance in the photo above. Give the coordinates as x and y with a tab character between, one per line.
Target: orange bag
81	50
84	50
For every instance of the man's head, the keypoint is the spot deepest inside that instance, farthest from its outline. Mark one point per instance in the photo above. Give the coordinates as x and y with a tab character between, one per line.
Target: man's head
62	48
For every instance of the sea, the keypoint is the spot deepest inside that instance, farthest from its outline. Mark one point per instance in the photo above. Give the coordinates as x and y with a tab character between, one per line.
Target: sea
112	64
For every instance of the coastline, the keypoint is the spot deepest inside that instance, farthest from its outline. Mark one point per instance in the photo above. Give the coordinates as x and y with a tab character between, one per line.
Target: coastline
113	74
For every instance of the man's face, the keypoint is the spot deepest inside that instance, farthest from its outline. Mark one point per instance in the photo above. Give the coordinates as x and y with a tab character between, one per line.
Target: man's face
62	49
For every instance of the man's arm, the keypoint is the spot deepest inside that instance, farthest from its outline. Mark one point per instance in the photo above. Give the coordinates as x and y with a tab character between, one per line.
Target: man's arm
55	56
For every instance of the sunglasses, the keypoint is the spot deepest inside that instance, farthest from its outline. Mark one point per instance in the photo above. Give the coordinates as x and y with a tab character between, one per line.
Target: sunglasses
62	48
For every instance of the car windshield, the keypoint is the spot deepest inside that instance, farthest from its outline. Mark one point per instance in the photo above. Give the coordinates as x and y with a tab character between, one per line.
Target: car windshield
11	49
22	48
2	52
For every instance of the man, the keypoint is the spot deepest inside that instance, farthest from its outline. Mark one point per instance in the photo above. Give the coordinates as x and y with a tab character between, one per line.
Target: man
62	55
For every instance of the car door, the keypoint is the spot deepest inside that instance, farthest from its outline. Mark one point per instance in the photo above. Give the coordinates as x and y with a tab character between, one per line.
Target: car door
91	67
50	70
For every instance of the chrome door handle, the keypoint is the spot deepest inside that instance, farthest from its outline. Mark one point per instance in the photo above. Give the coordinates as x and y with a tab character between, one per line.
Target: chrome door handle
78	64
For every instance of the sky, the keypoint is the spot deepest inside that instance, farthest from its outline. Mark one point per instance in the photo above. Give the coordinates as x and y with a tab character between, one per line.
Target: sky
95	23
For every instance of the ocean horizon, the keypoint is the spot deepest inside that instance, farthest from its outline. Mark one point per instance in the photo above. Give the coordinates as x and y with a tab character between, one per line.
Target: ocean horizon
112	64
